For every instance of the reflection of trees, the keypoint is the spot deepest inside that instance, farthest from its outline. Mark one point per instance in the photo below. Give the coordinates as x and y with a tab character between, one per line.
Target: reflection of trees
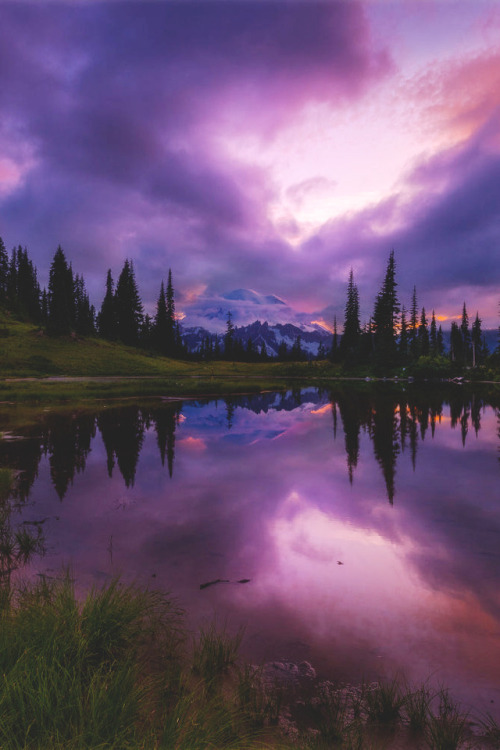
166	420
395	417
67	442
385	435
23	456
122	432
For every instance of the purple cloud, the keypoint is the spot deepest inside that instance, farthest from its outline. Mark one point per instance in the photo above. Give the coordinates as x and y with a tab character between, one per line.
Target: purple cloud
117	103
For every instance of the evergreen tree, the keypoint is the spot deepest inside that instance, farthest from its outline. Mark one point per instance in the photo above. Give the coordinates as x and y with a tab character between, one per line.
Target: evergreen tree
466	339
229	337
413	330
350	337
297	353
146	336
478	343
334	353
456	343
128	306
403	338
385	317
12	282
84	311
61	317
282	351
44	308
172	339
433	343
161	324
440	342
4	273
423	335
106	320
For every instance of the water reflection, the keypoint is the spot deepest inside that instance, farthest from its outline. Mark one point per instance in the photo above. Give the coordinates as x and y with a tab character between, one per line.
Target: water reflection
393	419
366	518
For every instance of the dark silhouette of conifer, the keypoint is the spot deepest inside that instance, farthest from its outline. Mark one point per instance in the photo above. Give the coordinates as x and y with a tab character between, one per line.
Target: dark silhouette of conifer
161	328
413	329
385	317
229	337
466	337
433	343
423	335
350	337
106	319
403	338
128	306
4	272
61	317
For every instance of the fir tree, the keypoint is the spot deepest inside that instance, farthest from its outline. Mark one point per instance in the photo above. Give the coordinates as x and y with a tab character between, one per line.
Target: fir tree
334	353
385	316
161	324
4	273
350	337
423	335
229	337
478	343
466	339
456	343
84	311
440	342
433	344
106	320
403	337
61	317
172	340
413	330
128	306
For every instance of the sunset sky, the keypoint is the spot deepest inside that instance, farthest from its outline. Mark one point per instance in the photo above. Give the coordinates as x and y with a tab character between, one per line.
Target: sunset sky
266	145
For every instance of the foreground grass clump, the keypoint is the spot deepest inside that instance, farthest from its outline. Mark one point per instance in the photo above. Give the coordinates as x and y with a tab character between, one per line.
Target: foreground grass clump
108	673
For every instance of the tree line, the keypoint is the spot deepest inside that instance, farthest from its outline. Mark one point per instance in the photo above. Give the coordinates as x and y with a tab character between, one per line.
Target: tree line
393	337
396	337
64	308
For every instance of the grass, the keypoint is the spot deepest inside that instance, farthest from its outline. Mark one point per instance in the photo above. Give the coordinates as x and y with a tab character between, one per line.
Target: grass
215	652
114	671
106	673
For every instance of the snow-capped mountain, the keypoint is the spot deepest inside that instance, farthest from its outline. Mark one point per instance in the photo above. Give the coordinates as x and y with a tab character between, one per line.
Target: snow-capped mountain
246	307
263	333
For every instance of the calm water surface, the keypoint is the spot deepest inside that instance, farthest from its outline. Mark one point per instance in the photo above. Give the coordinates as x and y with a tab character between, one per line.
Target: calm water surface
367	522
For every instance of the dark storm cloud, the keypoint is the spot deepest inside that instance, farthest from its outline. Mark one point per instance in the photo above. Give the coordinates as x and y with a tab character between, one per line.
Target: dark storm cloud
114	103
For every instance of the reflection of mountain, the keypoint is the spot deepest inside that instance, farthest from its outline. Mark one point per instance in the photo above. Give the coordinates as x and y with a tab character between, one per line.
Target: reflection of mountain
392	417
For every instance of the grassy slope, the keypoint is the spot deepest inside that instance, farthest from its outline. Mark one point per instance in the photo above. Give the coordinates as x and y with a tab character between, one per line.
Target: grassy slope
26	352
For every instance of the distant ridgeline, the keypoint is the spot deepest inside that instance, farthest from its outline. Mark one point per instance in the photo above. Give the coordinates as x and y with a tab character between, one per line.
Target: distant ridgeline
395	337
395	420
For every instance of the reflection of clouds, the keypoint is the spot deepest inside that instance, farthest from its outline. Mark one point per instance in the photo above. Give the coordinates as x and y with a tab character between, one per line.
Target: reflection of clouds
282	512
192	443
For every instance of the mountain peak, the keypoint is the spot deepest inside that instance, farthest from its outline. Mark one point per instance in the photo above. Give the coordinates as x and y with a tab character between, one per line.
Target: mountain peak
249	295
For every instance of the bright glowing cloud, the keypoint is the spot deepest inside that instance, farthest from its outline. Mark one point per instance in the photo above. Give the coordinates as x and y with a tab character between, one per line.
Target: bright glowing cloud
243	151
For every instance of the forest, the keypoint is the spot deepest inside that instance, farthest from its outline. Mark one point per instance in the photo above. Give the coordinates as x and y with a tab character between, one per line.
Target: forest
394	338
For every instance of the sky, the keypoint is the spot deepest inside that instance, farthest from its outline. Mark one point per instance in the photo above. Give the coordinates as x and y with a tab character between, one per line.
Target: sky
262	145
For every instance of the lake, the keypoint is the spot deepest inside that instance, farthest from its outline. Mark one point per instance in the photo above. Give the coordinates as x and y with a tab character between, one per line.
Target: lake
357	528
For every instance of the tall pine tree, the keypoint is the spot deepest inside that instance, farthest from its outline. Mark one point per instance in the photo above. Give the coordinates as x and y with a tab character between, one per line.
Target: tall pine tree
128	306
385	317
61	316
106	320
350	338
